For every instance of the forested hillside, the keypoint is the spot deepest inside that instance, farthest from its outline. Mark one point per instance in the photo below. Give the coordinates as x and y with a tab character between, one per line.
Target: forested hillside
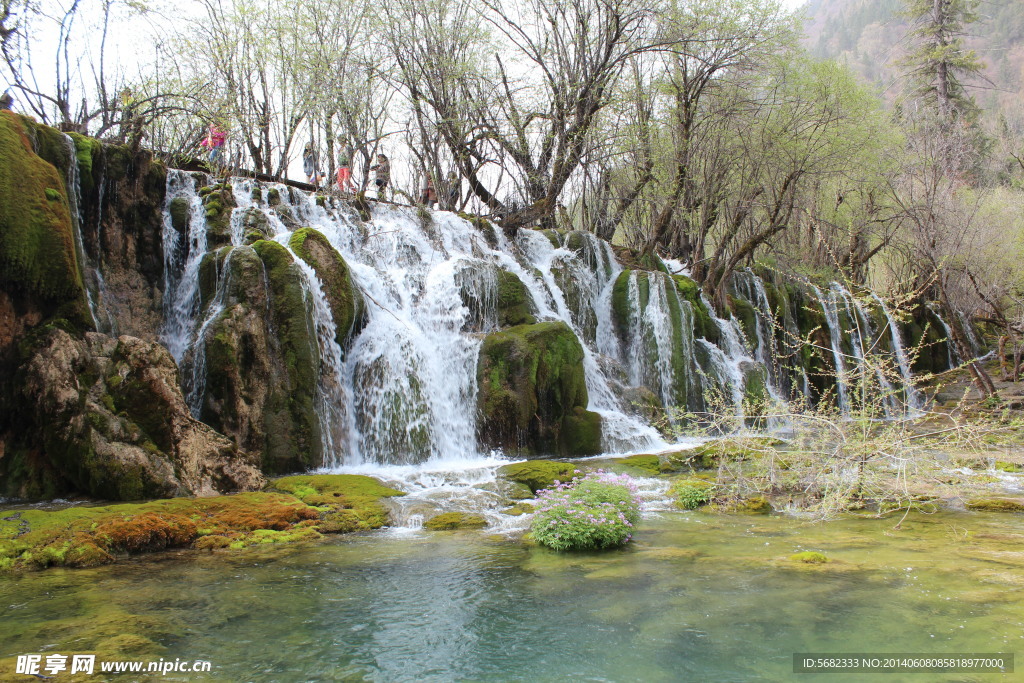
870	36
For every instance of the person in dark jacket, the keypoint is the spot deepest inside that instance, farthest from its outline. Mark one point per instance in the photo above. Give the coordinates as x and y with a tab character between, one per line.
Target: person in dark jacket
383	178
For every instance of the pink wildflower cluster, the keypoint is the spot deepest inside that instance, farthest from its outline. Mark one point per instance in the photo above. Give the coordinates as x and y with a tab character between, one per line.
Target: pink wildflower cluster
597	510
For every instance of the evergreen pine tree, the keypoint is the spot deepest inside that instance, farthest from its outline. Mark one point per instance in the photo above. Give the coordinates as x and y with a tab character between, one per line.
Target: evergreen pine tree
938	62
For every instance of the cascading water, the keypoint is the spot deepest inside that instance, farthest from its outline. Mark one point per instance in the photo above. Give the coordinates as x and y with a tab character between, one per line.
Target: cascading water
183	254
914	399
92	279
404	389
835	335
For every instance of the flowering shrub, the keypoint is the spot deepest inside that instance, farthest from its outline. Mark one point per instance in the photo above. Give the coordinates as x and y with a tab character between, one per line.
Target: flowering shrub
592	512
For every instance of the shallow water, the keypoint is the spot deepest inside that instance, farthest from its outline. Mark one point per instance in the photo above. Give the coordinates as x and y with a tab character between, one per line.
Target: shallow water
696	597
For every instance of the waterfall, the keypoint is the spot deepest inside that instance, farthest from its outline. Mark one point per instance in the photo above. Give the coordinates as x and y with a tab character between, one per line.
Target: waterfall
92	279
727	362
403	390
913	397
183	254
835	336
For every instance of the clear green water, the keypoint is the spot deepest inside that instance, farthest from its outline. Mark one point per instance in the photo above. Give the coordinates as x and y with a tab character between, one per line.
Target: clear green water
696	597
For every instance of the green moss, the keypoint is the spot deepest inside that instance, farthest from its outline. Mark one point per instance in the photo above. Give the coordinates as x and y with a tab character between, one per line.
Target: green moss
449	521
350	502
1003	466
650	463
708	455
809	557
180	209
219	201
996	504
88	536
746	315
37	244
531	381
538	474
514	304
518	509
703	325
347	305
294	444
87	151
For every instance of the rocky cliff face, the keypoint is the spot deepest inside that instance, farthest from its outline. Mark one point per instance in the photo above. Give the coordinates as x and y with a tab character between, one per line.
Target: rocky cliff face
109	421
81	250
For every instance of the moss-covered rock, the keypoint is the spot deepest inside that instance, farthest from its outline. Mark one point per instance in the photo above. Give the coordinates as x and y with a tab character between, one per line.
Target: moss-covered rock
733	449
518	510
538	474
996	504
291	423
180	210
219	200
347	306
703	324
648	463
533	392
112	422
39	267
691	493
756	505
1012	467
514	305
347	502
450	521
809	557
86	536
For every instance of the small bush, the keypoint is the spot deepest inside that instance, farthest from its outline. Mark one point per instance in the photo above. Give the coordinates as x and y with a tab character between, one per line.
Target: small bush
593	512
692	493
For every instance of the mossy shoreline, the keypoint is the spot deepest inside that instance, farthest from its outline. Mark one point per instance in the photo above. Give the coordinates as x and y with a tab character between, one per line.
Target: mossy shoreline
295	508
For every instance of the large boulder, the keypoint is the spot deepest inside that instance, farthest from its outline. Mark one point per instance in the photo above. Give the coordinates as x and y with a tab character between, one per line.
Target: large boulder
533	392
106	417
262	361
347	305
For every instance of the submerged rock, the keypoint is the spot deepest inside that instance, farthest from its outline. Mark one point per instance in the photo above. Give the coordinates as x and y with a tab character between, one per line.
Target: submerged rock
996	504
450	521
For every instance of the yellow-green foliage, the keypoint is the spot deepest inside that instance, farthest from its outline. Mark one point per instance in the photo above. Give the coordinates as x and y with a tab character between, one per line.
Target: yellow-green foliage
37	247
349	502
